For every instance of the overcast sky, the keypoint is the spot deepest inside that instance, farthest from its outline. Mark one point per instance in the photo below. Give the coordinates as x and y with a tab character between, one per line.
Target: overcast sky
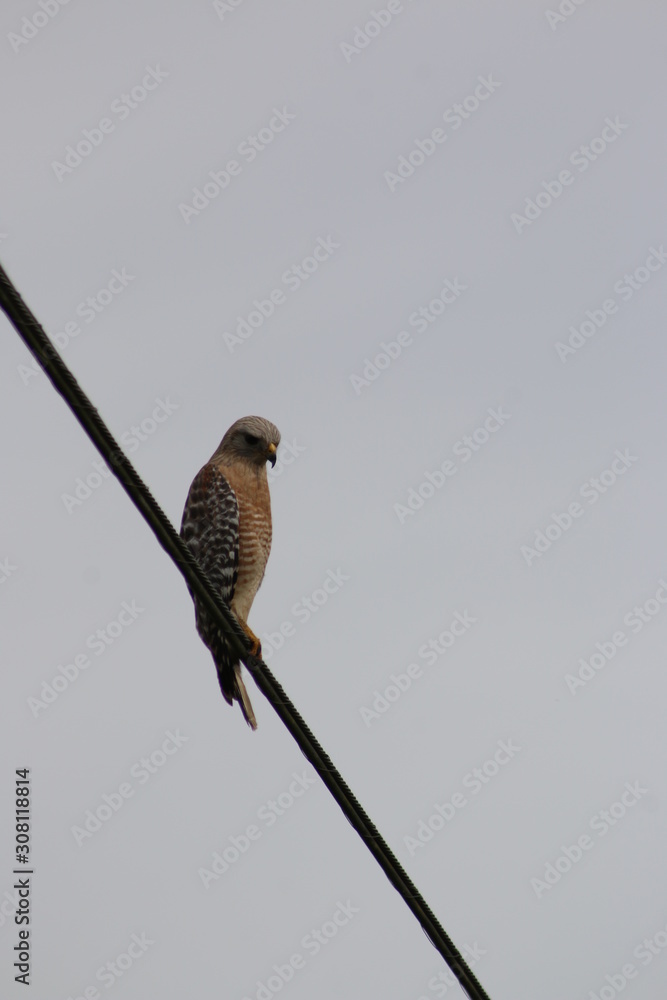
428	241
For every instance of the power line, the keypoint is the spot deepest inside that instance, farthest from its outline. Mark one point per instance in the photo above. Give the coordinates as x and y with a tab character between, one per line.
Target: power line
34	337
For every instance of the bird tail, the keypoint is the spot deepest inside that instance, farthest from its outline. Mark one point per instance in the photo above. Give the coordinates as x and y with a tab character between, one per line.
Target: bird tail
241	695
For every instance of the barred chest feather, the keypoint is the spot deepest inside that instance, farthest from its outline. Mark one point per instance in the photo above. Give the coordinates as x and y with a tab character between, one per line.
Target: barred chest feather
251	488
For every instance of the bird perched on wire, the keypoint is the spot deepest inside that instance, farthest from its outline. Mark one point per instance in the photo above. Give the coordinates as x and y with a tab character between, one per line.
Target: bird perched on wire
227	527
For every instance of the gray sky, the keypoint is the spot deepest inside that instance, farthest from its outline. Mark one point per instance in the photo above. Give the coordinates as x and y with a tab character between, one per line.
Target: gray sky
427	240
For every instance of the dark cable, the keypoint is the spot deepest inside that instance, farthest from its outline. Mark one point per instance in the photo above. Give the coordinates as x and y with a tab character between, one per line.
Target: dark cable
34	337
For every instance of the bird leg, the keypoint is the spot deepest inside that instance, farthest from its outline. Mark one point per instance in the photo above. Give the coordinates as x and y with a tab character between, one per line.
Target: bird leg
256	646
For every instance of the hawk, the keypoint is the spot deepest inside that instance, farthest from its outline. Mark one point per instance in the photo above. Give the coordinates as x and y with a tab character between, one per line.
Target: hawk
227	527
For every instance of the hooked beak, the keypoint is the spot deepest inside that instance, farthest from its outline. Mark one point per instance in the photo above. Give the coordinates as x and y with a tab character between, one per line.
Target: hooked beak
271	454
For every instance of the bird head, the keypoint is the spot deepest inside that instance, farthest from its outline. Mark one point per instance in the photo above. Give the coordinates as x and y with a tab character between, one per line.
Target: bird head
250	439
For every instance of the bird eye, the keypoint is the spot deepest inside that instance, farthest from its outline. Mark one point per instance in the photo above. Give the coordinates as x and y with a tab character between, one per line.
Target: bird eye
251	439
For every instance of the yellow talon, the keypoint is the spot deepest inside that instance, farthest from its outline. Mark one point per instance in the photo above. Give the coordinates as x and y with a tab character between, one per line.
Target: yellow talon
256	646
